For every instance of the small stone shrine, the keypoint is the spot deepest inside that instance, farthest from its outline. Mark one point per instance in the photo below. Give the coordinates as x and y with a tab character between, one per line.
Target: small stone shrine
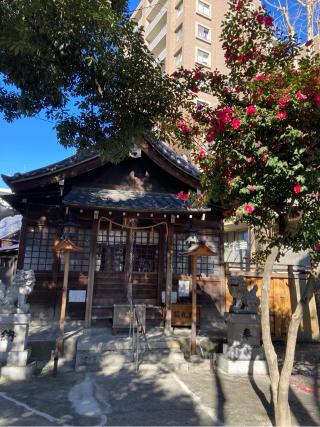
243	353
14	326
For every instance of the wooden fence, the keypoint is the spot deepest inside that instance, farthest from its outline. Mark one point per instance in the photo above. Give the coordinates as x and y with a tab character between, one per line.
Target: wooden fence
285	292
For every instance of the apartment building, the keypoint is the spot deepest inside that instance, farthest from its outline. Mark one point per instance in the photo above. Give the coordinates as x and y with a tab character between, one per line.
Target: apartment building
184	33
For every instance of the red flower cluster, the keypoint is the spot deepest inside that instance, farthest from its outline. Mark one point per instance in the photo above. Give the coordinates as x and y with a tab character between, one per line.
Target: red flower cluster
183	196
251	110
184	127
301	96
202	154
282	115
265	19
296	189
249	209
317	246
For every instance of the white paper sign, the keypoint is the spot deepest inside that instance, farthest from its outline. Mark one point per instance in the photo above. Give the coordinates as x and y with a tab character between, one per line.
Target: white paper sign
77	296
184	288
174	297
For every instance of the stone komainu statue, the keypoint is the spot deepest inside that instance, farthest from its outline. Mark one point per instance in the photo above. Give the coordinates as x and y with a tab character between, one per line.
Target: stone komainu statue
13	297
244	301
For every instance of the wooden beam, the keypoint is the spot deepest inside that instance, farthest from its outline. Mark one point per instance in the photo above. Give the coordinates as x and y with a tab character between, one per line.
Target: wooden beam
91	273
169	277
194	306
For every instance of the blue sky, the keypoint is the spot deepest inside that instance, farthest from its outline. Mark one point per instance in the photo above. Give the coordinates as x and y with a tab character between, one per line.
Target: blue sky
27	144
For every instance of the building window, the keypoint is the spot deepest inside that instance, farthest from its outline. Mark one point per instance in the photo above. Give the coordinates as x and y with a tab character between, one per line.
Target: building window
206	266
79	261
236	247
203	33
39	250
145	253
204	8
111	249
178	34
203	57
179	9
178	58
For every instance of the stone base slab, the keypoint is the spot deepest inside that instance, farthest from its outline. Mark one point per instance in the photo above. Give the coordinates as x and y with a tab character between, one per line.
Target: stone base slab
14	358
241	367
17	373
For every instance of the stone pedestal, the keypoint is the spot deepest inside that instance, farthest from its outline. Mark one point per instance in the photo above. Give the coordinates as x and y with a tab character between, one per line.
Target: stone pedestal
13	341
243	353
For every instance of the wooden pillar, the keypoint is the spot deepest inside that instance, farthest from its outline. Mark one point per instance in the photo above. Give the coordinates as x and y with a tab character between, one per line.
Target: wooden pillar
161	263
129	266
169	277
22	244
91	272
60	346
222	305
194	305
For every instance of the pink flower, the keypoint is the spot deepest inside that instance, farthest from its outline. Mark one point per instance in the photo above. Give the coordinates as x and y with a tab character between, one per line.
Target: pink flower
282	102
301	96
239	5
296	189
251	110
317	246
309	43
250	159
251	188
194	90
282	115
183	196
249	209
236	123
260	77
202	154
184	127
316	98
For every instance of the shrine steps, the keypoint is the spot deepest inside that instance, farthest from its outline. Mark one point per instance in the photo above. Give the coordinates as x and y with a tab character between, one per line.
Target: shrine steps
99	351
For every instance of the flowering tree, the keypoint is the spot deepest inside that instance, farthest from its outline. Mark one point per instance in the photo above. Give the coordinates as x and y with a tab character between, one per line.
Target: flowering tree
259	152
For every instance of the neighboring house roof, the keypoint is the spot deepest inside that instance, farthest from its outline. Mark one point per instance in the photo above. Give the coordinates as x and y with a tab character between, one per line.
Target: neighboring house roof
126	200
168	153
10	226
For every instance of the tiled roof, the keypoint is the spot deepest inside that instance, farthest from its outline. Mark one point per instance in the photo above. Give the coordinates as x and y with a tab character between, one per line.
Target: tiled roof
159	146
10	226
126	200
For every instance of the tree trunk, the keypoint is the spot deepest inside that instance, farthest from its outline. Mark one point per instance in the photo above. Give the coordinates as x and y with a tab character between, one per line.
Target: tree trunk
270	353
280	383
283	410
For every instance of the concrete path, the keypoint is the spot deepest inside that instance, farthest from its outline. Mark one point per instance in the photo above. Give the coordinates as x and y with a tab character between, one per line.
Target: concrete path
151	397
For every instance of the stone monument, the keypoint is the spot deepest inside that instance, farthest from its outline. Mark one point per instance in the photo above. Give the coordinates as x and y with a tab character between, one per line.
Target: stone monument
243	353
14	326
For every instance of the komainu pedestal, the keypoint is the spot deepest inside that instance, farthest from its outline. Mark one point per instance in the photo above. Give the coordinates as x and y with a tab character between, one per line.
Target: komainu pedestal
243	353
14	327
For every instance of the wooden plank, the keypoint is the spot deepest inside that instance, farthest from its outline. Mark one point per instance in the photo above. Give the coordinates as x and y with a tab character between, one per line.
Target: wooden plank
22	244
161	263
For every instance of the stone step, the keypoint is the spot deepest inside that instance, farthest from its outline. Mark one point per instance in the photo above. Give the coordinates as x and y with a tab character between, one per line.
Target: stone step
96	361
95	344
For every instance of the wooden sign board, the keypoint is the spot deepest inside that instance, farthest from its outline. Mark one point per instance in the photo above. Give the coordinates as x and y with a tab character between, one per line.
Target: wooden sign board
182	314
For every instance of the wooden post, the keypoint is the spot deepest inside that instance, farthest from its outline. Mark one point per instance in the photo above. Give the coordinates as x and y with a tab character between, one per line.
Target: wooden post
128	291
91	272
161	263
169	278
194	306
60	347
222	297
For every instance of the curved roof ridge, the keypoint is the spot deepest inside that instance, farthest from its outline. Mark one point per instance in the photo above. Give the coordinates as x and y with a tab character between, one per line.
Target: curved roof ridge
79	158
